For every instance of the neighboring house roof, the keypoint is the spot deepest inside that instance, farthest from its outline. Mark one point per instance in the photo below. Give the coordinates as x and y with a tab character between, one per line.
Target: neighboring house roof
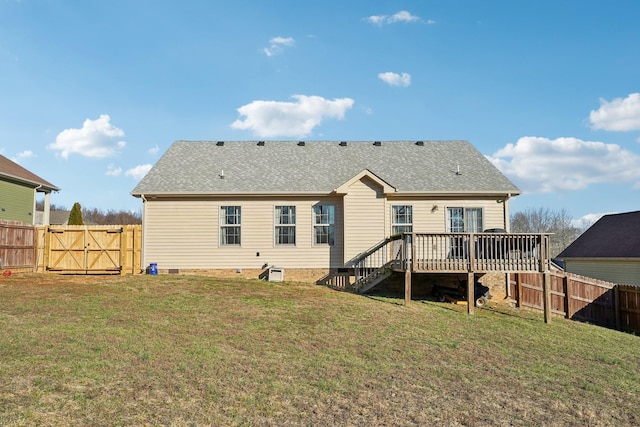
209	167
55	217
612	236
14	172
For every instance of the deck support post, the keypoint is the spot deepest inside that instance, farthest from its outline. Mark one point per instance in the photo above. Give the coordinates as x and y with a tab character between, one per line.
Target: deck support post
410	256
471	298
471	282
407	287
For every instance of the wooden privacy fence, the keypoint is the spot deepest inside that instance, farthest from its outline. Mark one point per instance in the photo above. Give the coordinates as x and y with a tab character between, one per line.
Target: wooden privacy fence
79	249
581	298
17	243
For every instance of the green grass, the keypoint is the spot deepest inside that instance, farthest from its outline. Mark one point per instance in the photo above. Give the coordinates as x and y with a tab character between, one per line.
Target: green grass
179	350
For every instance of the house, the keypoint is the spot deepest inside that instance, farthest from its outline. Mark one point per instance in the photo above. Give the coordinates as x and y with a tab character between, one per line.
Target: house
609	250
309	207
55	217
18	189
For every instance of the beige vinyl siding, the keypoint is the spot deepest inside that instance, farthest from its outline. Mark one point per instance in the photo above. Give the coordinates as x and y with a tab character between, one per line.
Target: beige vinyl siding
626	272
184	234
180	234
430	215
365	217
17	201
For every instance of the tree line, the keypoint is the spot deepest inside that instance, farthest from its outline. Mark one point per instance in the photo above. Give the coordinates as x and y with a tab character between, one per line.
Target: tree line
79	215
544	220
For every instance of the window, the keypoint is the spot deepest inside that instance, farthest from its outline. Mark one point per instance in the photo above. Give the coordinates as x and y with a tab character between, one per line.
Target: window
464	220
324	224
401	219
285	225
230	220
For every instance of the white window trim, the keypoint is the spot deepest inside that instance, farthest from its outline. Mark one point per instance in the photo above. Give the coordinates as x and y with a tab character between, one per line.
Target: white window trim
276	224
464	218
393	217
222	223
329	224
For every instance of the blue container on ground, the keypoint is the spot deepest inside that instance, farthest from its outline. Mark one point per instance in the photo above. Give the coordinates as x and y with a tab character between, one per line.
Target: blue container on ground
153	269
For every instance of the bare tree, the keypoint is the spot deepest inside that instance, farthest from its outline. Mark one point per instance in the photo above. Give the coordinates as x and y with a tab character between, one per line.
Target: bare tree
545	220
98	217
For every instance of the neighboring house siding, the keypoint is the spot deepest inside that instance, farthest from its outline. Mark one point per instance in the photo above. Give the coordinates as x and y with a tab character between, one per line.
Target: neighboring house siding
626	272
186	235
16	202
365	217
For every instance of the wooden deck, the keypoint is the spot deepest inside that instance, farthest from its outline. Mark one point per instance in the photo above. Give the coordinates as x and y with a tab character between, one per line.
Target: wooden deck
470	253
457	253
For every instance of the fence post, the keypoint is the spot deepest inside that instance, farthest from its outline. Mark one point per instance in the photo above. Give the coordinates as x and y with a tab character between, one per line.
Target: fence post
546	292
518	290
567	296
616	305
124	239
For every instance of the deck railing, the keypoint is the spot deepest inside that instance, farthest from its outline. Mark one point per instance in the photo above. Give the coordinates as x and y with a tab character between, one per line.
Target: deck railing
388	252
449	253
477	252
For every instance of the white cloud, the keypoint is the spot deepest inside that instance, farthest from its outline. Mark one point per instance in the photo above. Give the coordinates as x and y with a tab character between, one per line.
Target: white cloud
542	165
97	138
139	171
402	16
113	171
376	19
588	220
277	45
26	154
395	79
617	115
293	119
154	150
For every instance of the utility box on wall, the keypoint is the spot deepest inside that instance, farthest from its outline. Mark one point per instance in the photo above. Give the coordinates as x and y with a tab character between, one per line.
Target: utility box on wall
276	274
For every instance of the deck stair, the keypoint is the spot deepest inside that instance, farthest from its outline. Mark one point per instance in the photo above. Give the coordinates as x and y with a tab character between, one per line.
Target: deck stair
372	279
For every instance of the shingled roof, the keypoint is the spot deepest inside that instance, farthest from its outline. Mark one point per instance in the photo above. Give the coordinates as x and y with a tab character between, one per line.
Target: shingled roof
14	172
612	236
270	167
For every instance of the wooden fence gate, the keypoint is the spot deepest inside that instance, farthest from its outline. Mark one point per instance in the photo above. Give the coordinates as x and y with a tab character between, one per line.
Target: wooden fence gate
89	249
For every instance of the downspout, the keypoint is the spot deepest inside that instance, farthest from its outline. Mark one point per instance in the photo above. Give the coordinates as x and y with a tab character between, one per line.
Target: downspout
506	214
143	261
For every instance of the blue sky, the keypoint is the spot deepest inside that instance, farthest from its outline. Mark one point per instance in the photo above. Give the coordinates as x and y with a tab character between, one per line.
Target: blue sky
93	92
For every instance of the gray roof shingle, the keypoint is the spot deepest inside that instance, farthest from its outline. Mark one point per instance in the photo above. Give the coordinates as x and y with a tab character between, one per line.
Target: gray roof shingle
612	236
194	167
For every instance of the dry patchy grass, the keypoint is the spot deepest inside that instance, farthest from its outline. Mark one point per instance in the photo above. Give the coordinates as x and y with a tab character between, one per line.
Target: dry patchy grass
180	350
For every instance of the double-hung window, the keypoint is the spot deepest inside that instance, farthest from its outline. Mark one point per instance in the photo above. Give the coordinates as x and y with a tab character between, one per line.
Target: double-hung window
401	219
230	222
285	225
324	224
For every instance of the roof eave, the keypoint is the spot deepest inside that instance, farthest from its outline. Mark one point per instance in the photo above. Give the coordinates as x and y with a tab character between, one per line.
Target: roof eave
37	185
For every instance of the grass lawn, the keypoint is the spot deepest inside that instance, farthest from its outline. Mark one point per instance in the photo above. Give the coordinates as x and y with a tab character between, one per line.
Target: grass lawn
180	350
